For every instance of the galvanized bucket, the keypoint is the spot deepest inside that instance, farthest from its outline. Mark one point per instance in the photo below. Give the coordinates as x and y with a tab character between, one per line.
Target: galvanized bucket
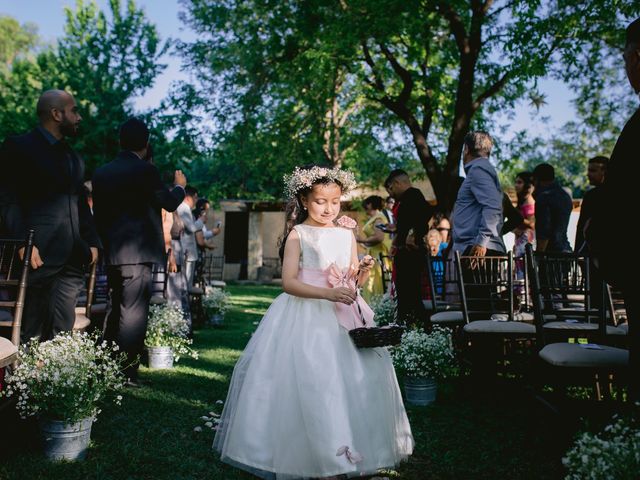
216	319
160	358
66	441
420	391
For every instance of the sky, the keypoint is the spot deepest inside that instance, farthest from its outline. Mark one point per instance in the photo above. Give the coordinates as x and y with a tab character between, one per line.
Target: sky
48	15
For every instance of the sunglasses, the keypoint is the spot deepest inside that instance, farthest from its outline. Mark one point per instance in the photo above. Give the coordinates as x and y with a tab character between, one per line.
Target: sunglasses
443	229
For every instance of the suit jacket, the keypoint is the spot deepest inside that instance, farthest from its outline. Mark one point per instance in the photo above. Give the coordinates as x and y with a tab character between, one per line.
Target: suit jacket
41	188
128	197
617	259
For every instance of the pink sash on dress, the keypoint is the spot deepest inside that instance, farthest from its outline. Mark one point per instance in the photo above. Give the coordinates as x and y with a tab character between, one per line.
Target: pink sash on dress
348	315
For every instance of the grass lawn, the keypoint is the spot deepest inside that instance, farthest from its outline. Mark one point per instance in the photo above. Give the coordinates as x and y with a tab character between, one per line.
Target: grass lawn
151	436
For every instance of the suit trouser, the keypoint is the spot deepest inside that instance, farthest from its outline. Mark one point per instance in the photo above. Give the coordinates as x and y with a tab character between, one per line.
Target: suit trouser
408	282
177	293
632	307
190	270
130	293
50	301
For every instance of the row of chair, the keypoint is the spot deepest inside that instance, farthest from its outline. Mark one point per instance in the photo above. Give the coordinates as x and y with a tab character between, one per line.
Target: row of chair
555	317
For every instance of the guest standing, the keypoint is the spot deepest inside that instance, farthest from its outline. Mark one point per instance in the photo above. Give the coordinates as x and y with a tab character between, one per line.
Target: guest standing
412	217
619	264
42	189
553	210
477	213
376	243
596	173
188	242
128	197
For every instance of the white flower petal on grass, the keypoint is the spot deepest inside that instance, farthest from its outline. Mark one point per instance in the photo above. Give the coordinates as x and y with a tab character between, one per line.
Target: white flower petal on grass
208	424
219	402
197	429
205	418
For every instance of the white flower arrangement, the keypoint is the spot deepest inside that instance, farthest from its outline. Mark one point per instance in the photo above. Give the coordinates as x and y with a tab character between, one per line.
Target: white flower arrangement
168	327
306	178
613	453
215	300
66	378
422	354
384	310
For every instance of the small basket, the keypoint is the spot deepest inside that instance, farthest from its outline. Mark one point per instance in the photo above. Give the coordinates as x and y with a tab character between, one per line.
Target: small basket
377	336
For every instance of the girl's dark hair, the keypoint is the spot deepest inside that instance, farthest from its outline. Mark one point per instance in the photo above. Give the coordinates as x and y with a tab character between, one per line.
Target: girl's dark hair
527	178
295	213
438	217
376	202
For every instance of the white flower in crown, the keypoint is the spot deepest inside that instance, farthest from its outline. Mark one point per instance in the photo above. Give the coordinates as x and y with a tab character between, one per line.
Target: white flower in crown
305	178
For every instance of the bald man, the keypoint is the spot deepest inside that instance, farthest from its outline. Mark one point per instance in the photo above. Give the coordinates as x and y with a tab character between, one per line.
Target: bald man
41	188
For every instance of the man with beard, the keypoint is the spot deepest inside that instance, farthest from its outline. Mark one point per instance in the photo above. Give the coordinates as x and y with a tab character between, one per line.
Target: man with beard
42	189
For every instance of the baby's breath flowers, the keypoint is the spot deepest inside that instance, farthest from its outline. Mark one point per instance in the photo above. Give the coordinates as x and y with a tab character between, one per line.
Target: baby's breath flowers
305	178
215	300
613	453
427	355
66	378
168	327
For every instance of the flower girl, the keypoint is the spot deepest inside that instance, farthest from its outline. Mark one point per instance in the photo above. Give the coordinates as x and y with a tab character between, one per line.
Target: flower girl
304	401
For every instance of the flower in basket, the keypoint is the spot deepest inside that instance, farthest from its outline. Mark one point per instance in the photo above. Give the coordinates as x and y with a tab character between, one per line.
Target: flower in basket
215	301
66	378
613	453
168	327
384	310
428	355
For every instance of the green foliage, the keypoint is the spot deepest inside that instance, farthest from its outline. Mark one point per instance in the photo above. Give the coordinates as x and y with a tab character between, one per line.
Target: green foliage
104	60
335	77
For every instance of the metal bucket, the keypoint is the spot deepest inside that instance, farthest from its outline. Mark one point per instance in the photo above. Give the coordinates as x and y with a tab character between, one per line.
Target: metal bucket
66	441
216	319
420	391
160	358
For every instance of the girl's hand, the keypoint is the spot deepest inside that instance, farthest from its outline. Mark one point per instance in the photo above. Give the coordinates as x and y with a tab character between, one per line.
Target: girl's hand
366	263
341	295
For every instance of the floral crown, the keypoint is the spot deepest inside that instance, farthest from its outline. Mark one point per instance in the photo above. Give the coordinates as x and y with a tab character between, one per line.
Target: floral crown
305	178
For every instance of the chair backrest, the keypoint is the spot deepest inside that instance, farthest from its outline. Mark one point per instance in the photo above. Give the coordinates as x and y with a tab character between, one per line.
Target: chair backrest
486	286
384	261
556	279
443	279
160	277
214	268
13	281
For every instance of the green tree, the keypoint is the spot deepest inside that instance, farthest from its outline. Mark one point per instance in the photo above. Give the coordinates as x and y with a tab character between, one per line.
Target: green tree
105	59
438	68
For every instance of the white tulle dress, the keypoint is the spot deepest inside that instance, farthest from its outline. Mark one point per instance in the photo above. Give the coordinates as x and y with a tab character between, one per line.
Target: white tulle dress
304	402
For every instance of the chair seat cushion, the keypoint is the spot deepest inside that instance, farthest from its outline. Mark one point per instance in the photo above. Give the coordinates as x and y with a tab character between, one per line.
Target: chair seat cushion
520	317
8	352
575	355
448	316
440	306
81	323
157	300
217	284
624	327
611	330
496	326
196	291
571	326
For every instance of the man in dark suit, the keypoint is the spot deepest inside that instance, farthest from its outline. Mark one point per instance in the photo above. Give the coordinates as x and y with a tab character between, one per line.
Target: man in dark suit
618	260
42	189
128	196
411	226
